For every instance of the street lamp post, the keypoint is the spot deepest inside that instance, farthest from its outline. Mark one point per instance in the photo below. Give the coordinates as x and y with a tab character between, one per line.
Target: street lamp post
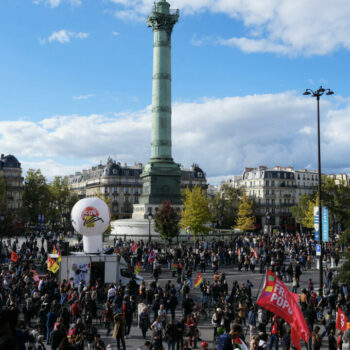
268	227
318	93
149	217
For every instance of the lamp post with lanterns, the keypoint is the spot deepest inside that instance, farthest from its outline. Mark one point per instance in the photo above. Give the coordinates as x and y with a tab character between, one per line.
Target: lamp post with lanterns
317	94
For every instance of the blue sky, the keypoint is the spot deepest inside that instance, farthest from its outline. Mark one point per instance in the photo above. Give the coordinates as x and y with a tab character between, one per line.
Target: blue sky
76	83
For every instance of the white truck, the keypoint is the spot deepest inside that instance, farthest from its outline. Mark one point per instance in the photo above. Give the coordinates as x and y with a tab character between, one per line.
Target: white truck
109	268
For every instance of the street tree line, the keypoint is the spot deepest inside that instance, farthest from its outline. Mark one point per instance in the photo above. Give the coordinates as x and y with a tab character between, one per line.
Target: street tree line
52	200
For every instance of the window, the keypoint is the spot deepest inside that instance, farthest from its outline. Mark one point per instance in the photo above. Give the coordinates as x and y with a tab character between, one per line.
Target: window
267	183
267	201
126	273
126	190
267	191
272	183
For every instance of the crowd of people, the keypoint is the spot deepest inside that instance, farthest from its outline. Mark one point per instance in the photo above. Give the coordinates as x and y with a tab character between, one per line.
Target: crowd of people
39	312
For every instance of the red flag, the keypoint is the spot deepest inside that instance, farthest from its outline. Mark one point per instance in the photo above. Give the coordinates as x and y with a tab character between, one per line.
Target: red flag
239	251
276	298
255	253
295	338
14	256
341	320
134	247
152	256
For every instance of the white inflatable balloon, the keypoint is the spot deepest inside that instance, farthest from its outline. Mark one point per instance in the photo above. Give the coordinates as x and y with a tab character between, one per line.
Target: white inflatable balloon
90	217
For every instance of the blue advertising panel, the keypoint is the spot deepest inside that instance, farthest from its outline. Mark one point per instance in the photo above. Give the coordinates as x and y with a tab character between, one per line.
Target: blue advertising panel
316	224
318	249
325	224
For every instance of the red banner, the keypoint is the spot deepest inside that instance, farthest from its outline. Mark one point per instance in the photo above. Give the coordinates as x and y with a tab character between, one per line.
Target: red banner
341	320
14	256
276	298
134	247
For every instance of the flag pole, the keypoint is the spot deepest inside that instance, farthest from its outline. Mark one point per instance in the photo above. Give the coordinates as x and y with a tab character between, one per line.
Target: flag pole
263	278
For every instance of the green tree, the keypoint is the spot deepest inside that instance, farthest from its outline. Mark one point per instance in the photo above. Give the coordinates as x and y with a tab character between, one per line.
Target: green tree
299	210
166	221
36	196
195	212
61	200
336	197
246	218
224	206
303	211
344	272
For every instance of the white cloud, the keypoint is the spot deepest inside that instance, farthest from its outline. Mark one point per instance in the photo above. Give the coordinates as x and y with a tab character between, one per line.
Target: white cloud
298	27
222	135
83	97
51	167
116	33
307	130
56	3
63	36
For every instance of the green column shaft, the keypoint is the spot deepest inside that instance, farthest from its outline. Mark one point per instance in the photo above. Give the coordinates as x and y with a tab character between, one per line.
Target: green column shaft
161	96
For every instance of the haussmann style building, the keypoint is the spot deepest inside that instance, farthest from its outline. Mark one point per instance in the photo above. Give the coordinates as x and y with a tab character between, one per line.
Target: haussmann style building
122	184
11	171
275	191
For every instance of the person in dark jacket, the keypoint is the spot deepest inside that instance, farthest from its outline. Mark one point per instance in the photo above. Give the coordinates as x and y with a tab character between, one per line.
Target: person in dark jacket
172	303
187	306
171	334
50	321
144	322
56	337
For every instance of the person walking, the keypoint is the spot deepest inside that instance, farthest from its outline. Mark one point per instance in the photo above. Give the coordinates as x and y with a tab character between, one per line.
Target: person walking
171	335
119	330
144	321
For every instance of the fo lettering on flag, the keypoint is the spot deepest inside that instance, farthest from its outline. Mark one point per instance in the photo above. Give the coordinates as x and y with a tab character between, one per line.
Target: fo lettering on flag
341	320
276	298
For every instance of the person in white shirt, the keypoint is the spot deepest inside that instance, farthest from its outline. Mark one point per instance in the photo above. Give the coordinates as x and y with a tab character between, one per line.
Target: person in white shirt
111	292
162	315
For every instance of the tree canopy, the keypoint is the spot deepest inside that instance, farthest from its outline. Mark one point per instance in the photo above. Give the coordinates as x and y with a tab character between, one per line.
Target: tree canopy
224	206
166	221
246	218
195	213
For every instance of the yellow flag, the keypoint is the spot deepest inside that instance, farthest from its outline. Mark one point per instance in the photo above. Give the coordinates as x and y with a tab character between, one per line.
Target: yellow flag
55	267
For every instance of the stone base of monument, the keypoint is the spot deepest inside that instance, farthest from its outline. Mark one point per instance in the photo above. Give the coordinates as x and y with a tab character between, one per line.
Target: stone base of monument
139	227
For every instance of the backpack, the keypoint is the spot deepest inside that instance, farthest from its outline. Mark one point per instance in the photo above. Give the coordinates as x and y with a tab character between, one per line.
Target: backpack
224	342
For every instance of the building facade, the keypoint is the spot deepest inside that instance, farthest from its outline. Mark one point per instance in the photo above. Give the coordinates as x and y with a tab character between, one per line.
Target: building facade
275	191
341	179
122	184
11	171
